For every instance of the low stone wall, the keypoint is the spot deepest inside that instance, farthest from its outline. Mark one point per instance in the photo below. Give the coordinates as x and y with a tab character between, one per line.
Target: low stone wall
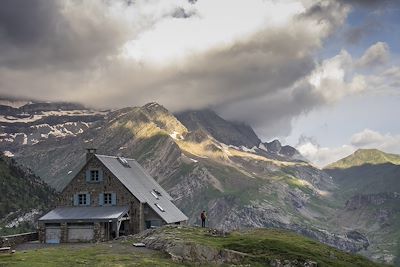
14	240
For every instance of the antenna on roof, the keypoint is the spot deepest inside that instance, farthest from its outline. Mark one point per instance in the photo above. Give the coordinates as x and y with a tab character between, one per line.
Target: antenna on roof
124	162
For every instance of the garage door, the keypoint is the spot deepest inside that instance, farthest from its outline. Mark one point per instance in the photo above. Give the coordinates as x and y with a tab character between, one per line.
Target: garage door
80	232
53	234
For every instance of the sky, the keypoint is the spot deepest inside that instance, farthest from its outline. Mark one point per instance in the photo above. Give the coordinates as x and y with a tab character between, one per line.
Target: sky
320	75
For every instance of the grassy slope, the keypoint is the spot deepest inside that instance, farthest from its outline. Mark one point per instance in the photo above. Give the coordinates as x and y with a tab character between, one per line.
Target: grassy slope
372	172
261	245
93	255
20	191
365	156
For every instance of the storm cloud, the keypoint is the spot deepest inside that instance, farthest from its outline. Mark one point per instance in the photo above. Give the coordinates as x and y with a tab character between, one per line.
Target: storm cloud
79	51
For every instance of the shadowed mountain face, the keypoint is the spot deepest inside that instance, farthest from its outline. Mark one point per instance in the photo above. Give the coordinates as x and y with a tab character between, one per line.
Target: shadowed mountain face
23	197
207	121
369	191
206	162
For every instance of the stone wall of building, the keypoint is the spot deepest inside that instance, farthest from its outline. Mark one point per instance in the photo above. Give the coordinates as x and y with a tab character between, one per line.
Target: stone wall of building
14	240
109	184
41	233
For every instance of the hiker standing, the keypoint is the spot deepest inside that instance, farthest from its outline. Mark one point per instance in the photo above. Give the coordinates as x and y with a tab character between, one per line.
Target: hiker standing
203	217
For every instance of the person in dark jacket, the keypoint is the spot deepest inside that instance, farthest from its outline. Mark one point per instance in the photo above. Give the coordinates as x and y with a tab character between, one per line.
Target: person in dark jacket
203	217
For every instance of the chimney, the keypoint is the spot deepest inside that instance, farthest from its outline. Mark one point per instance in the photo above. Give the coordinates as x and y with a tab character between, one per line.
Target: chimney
90	152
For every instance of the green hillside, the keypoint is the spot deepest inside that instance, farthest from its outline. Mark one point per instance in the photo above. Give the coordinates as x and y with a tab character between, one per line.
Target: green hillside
368	183
365	156
20	192
189	246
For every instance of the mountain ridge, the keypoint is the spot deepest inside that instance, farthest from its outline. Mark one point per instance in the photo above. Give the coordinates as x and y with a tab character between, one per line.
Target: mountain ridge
365	156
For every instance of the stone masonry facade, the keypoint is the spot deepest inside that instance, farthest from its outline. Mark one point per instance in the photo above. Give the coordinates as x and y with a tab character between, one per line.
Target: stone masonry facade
109	184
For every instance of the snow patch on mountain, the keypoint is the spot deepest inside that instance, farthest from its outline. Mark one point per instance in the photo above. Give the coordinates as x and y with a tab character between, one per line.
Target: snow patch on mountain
26	118
246	149
262	147
27	217
176	136
8	154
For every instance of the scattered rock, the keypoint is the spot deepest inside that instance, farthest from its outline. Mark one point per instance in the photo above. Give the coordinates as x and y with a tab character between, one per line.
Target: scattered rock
218	233
292	263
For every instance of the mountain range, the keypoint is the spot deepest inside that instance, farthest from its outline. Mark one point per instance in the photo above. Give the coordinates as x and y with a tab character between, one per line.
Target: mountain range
206	162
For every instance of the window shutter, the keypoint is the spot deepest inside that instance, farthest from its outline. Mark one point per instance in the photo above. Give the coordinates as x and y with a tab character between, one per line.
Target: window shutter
114	199
88	175
100	175
101	199
87	199
76	200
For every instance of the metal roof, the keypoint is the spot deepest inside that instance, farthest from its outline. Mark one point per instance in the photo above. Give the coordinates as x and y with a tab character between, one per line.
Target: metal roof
141	185
76	214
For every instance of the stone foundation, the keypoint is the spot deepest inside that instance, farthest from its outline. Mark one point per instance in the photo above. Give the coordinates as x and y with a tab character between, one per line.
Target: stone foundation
14	240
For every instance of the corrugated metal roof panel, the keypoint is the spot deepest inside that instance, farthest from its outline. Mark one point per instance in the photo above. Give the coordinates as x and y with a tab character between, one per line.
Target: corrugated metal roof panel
141	185
85	213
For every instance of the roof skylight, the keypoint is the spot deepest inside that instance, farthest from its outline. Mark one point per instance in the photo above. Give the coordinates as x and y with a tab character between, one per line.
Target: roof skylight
154	194
124	162
159	207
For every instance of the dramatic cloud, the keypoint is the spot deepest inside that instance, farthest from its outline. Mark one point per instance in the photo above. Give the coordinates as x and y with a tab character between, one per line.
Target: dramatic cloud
252	61
329	79
322	156
372	139
55	35
377	54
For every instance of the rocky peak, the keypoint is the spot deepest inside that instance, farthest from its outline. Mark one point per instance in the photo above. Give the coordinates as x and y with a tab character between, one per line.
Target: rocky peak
164	119
155	107
227	132
273	146
152	117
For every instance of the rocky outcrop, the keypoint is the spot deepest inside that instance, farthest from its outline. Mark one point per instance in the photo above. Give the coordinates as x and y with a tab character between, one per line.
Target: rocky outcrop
350	242
181	250
292	263
364	200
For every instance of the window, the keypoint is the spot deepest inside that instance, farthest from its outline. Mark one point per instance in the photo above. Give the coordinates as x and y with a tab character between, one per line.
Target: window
82	200
94	175
107	199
